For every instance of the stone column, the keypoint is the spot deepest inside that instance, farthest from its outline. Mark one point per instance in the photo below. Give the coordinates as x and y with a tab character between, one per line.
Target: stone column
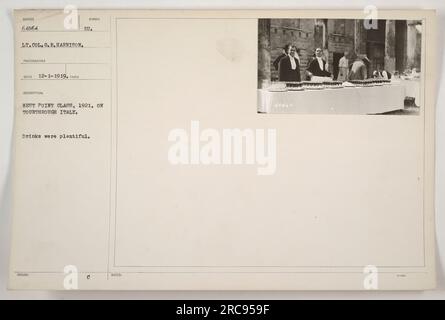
264	74
390	46
412	50
359	37
320	34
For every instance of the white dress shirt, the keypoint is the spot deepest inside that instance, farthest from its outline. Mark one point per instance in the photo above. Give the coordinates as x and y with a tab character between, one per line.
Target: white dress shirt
293	63
343	63
320	63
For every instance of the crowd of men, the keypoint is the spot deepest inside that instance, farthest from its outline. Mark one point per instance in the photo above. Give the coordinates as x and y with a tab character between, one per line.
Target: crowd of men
350	66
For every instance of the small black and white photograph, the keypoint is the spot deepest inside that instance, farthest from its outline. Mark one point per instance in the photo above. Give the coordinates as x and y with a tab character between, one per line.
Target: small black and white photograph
339	66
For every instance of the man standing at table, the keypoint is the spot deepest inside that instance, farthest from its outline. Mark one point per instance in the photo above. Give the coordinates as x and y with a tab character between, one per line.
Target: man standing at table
285	53
317	67
289	67
343	67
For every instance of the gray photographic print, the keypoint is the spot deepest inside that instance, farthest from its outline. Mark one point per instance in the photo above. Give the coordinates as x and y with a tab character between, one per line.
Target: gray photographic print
339	66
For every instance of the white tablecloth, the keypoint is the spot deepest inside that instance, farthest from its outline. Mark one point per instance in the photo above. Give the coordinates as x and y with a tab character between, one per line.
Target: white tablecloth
366	100
412	88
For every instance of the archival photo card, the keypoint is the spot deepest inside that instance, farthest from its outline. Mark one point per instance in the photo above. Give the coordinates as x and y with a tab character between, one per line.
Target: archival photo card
223	150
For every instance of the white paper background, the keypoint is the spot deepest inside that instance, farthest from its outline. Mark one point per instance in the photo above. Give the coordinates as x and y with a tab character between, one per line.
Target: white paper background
6	119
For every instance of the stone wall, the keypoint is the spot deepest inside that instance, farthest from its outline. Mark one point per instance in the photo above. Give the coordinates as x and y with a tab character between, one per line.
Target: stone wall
303	33
298	32
396	44
339	39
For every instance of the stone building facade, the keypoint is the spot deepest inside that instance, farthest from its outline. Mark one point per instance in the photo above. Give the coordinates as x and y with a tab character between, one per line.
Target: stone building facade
393	45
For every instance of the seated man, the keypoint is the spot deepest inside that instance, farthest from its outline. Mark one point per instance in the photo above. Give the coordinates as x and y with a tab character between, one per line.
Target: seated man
386	75
382	74
317	67
289	67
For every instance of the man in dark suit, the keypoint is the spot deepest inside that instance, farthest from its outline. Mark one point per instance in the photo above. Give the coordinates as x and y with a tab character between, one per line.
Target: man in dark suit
289	67
317	67
285	52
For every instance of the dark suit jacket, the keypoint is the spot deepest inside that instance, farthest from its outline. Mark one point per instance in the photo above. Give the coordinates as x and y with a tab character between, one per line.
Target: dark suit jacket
276	62
314	68
285	70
